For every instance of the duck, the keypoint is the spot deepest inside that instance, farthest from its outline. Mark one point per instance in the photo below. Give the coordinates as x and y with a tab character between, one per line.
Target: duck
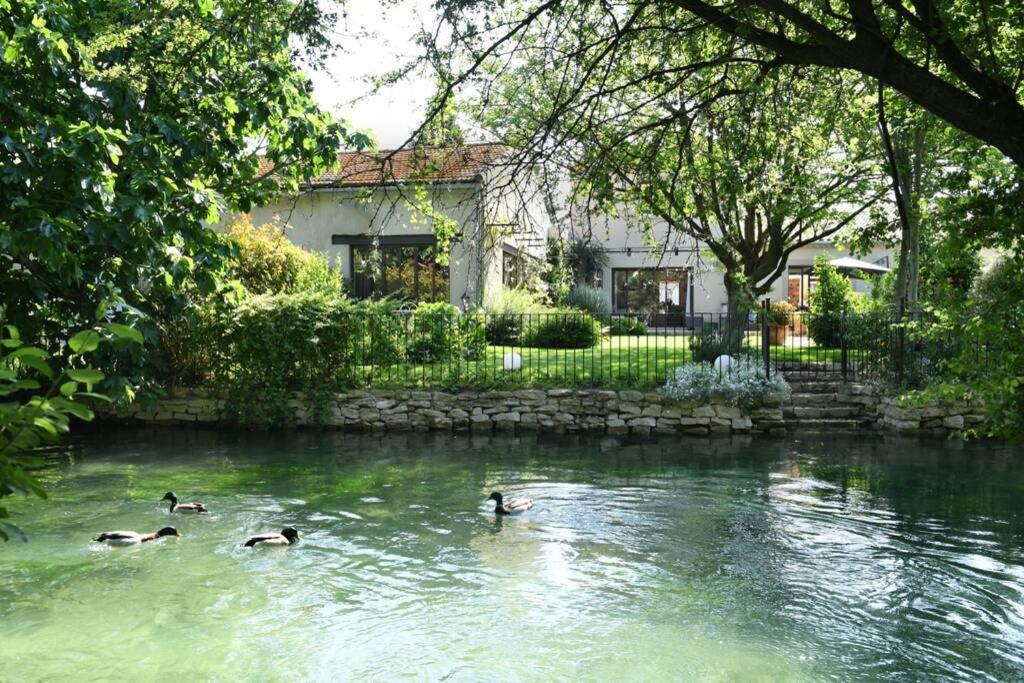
288	536
133	537
510	506
187	508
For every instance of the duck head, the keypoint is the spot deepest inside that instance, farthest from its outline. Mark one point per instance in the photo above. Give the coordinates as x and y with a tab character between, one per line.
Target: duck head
291	533
168	531
496	497
171	497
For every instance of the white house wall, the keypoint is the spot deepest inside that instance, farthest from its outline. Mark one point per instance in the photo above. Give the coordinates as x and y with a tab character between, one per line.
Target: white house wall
628	248
313	219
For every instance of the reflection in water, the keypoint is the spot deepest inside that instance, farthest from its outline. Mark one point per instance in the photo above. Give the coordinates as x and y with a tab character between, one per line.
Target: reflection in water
710	559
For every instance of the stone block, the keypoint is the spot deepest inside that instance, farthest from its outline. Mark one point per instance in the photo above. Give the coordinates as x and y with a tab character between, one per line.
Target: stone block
631	396
704	411
651	411
953	422
642	422
531	394
506	417
742	424
730	412
629	408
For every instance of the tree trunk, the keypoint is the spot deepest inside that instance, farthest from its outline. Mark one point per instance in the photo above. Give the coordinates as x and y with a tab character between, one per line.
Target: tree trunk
904	154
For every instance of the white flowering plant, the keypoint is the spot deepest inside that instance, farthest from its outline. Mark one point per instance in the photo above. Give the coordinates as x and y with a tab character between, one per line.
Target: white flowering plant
742	383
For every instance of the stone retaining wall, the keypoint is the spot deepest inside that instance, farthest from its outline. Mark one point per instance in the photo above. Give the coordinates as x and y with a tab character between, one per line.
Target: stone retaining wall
602	411
935	419
555	410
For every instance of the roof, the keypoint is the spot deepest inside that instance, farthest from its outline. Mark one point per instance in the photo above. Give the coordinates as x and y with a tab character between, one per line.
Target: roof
847	263
427	165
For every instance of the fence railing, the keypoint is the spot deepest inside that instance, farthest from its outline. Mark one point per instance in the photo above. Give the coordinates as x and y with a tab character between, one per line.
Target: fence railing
576	349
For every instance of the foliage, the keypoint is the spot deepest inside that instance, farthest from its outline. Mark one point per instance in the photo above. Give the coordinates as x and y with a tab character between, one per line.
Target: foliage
592	300
982	348
829	302
39	403
742	384
628	325
714	341
440	333
781	313
586	261
126	126
509	313
265	261
557	275
956	59
571	330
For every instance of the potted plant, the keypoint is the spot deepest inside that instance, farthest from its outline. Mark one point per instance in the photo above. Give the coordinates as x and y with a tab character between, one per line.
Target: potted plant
780	317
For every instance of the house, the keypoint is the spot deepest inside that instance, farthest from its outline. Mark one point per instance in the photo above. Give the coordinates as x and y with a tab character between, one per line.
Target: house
681	279
375	214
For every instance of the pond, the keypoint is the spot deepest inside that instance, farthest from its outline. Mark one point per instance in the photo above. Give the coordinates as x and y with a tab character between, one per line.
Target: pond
844	558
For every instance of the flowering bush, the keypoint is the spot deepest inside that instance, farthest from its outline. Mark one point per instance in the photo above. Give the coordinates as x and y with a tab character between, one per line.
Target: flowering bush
743	383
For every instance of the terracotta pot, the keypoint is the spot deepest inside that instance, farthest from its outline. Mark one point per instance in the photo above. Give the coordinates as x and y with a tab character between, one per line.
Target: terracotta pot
777	334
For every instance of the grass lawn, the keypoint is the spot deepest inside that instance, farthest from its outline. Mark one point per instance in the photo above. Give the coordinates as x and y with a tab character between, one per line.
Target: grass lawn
617	362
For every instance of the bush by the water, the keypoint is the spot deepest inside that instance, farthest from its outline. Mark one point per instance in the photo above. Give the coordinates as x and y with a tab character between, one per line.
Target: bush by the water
563	331
592	300
628	326
743	383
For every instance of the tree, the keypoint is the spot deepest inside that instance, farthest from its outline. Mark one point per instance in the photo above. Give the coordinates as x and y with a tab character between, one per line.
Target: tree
127	126
955	59
783	163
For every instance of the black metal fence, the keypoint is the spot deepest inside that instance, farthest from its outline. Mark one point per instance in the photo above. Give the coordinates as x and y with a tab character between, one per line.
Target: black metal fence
576	349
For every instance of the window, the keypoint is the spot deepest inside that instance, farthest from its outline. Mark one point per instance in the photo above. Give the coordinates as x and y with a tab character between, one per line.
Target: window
403	271
650	290
511	269
801	284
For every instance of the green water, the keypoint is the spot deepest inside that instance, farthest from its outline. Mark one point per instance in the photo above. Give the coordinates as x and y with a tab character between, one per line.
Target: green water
722	560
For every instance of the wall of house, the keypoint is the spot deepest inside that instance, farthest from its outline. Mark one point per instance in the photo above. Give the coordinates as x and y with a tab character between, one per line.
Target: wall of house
628	248
313	218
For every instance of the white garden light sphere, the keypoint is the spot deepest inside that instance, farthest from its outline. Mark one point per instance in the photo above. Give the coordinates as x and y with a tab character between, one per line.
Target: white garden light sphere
723	362
512	361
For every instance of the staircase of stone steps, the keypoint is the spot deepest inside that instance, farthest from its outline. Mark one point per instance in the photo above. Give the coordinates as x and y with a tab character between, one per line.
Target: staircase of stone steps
824	403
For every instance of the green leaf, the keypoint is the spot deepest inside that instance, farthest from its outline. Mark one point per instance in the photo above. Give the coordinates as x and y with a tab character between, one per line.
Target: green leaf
29	351
45	425
124	332
38	364
68	388
85	375
77	409
85	341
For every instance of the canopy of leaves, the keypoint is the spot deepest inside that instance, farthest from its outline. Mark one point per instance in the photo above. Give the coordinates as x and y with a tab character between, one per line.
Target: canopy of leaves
126	125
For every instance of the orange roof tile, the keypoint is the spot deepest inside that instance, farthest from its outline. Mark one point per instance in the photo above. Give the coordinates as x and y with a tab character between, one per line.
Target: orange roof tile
428	165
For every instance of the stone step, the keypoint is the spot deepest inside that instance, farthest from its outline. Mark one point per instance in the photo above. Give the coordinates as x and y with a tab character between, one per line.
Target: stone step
819	387
812	398
823	425
808	412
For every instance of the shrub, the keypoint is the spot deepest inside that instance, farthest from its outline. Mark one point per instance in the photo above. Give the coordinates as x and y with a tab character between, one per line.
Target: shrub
829	302
439	332
742	384
628	326
592	300
507	315
587	261
267	262
563	331
712	342
781	313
